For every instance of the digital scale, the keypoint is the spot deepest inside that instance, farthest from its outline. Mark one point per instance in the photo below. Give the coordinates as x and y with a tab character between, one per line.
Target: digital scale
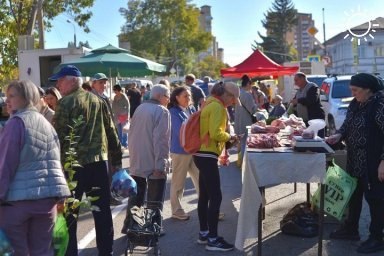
313	145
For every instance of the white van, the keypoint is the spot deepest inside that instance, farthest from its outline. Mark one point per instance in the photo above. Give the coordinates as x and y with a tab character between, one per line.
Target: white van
139	82
335	97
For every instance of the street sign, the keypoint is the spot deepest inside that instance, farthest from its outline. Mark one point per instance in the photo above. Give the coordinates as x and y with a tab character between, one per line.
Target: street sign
312	31
326	60
313	58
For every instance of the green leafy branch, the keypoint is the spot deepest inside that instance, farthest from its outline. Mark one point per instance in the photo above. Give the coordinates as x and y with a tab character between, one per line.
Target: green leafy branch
72	204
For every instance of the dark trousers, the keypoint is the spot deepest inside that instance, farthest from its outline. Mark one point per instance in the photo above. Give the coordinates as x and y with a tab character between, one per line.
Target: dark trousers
155	196
354	207
376	208
210	197
94	175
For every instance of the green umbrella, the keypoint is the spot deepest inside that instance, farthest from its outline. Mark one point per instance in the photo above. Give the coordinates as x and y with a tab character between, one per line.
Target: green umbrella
115	62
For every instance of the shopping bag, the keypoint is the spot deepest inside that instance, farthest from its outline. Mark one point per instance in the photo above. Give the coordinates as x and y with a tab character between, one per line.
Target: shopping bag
339	187
123	185
60	235
5	245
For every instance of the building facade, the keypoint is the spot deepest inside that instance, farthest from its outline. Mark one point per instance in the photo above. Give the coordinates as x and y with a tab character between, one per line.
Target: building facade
299	36
205	21
361	52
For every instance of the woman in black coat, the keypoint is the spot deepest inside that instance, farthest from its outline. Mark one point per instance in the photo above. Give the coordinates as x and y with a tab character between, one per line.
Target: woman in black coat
363	132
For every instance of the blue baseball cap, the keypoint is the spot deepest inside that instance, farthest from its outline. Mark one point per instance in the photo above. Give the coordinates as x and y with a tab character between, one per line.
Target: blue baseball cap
68	70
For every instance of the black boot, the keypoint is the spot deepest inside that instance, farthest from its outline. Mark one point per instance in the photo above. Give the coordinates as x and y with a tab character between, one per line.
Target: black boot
371	245
345	233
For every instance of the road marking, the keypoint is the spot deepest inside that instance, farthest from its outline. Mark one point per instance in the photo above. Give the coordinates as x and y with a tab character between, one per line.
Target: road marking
88	238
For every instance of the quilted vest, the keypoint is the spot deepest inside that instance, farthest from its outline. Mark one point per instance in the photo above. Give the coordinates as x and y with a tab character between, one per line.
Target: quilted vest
39	174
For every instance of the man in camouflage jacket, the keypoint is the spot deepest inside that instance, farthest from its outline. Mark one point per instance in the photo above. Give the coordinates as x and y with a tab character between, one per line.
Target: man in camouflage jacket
96	139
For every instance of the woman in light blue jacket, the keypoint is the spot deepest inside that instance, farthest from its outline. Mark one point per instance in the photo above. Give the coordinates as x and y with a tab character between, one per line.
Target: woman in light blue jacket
180	108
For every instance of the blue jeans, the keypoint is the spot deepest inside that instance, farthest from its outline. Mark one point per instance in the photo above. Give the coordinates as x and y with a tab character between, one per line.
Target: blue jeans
123	137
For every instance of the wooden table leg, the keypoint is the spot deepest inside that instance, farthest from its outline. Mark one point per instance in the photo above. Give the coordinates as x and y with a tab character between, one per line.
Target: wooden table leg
321	221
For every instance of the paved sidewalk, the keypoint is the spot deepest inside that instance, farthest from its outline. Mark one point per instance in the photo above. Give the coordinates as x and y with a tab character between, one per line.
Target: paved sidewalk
180	238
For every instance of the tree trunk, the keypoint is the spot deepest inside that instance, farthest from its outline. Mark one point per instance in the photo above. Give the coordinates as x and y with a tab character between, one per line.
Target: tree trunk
41	24
32	19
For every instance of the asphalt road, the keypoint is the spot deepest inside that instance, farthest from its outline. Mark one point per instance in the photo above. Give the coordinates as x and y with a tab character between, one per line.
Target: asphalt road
180	237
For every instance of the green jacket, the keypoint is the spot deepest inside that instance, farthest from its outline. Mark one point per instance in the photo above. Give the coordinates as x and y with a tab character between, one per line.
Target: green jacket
96	136
213	120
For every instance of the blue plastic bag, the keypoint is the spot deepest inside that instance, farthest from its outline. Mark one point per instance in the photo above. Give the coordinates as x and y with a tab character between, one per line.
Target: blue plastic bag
123	185
5	245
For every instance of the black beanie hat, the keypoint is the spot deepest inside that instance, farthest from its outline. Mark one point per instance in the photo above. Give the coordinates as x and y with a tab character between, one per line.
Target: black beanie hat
367	81
245	80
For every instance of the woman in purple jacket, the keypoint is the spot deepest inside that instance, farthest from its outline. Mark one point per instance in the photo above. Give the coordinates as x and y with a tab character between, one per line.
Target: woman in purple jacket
31	177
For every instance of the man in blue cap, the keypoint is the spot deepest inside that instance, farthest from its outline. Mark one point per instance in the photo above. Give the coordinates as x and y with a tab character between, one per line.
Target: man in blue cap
97	139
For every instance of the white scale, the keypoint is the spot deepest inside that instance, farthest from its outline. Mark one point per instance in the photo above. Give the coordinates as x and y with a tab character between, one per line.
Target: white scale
313	145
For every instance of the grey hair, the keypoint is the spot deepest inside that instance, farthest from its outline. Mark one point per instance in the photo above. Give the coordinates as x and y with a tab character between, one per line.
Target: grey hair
159	90
79	80
28	91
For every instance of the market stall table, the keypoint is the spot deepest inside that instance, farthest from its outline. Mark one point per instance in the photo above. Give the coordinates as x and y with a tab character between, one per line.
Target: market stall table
272	167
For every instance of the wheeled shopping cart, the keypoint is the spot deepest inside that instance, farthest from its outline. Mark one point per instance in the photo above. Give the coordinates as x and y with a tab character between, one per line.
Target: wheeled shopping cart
145	222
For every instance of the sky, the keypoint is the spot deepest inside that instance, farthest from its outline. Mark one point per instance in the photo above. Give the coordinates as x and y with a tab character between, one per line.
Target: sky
235	23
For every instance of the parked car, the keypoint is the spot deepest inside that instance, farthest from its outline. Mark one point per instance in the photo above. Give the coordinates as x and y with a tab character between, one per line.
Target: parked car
317	79
335	96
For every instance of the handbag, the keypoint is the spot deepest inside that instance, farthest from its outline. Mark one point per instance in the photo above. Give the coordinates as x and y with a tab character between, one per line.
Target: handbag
60	235
339	187
253	118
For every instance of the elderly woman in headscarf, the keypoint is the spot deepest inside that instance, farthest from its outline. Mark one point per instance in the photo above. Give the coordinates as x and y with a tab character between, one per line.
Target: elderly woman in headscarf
363	132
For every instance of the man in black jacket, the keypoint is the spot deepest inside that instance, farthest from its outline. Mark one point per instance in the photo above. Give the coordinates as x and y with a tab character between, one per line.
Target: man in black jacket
307	100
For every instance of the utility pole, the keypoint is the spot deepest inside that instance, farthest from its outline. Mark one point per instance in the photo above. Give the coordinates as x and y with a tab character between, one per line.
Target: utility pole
324	43
74	31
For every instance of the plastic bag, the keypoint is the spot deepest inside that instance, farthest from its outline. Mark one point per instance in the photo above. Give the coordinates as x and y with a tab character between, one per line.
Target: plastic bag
314	126
123	185
60	235
339	187
300	221
5	245
126	127
224	158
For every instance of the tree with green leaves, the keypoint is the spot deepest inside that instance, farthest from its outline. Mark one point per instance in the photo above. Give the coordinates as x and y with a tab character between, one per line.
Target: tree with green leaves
209	66
166	31
32	17
279	20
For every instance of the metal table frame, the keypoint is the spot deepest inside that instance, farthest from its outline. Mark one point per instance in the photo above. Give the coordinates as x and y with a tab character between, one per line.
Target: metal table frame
321	219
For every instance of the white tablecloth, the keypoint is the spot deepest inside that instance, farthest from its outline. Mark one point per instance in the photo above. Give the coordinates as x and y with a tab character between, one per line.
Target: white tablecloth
263	169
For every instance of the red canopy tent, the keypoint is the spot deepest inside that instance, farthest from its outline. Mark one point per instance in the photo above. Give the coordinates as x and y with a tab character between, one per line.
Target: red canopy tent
258	64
